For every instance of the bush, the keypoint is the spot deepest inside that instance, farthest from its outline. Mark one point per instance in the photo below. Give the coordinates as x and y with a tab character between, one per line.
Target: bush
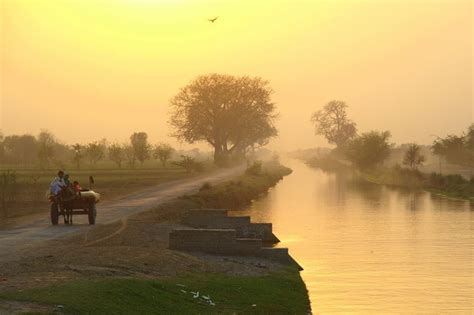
255	169
454	185
189	164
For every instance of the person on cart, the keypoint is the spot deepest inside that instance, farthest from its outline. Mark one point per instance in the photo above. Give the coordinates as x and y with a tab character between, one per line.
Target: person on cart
57	184
77	188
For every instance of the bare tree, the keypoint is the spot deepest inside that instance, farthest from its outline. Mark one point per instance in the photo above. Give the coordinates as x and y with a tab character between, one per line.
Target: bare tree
117	154
95	152
332	123
78	154
413	157
46	144
129	154
230	113
163	152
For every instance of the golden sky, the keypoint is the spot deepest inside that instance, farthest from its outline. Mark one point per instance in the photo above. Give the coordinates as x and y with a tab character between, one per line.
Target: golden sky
89	69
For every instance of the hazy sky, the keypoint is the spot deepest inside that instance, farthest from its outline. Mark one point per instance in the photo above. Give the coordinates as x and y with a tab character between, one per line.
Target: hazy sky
89	69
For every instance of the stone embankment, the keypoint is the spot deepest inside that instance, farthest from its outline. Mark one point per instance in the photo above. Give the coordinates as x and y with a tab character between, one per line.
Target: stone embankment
213	231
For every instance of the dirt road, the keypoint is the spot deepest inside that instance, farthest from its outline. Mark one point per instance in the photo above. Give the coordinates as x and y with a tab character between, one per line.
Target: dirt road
29	235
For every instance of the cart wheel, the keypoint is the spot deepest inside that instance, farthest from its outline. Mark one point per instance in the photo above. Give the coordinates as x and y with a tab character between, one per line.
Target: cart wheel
92	213
54	213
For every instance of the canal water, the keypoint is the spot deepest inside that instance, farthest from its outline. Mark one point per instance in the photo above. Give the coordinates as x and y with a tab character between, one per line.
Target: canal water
368	248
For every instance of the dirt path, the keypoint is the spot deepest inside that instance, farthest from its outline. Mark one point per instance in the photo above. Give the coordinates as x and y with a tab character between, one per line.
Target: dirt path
33	233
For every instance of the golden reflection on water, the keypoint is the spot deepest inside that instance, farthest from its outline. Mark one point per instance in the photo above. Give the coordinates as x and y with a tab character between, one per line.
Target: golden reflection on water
372	249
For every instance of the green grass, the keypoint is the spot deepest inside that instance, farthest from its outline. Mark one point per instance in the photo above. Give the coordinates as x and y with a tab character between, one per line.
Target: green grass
280	292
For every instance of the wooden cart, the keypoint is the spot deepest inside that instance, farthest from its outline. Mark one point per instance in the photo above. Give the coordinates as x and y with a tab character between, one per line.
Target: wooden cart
83	204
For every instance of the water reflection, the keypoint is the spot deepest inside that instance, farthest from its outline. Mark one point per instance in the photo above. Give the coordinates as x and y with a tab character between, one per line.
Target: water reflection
373	249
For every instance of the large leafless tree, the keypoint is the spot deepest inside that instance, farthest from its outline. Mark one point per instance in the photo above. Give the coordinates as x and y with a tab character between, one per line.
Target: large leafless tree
230	113
332	123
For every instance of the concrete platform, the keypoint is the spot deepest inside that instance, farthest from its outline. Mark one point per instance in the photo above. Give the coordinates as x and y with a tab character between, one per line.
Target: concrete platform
218	219
226	242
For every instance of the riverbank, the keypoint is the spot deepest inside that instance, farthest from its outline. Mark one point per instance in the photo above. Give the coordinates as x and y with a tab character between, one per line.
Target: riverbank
453	186
126	267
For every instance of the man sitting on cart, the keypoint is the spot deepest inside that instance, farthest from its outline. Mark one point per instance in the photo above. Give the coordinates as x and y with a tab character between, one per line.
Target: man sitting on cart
57	184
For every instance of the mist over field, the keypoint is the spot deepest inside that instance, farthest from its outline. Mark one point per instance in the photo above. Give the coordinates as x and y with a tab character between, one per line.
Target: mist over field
90	70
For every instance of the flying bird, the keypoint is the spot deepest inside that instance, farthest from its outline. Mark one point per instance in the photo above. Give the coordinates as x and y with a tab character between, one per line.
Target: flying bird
213	20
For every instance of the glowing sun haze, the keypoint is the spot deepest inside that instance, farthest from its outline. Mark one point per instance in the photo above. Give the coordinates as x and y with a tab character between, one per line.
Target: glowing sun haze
92	69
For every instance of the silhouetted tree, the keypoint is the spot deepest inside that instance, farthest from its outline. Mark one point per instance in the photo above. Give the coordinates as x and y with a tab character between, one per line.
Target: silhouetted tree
129	154
368	150
95	152
141	148
20	149
78	154
228	112
2	147
456	149
46	144
332	123
163	152
413	157
116	154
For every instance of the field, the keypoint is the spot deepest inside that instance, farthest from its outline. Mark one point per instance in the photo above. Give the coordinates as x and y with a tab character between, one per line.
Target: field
28	194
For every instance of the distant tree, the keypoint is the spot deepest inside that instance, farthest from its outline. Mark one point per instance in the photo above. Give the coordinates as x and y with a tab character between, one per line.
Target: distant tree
77	150
469	145
163	152
46	144
141	148
369	150
469	138
8	190
332	123
117	154
2	147
228	112
456	149
94	152
20	149
129	155
413	157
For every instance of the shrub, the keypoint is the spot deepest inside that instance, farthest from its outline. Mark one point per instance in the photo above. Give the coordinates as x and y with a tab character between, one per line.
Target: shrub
189	164
255	169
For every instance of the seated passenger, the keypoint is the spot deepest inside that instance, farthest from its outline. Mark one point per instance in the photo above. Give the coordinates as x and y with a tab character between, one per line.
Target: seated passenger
57	184
76	186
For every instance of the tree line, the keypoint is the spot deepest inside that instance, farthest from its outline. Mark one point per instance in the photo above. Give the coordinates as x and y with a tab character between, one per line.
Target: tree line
371	149
45	150
234	115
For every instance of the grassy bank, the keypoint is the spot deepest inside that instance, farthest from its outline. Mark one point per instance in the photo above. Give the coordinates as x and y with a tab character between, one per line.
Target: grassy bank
234	194
454	186
281	292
